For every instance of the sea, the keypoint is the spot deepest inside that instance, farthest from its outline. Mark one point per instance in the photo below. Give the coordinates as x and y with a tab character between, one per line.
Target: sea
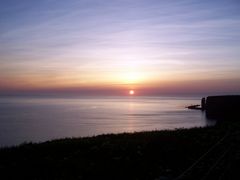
39	119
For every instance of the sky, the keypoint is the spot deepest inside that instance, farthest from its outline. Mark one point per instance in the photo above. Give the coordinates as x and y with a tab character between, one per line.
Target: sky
112	46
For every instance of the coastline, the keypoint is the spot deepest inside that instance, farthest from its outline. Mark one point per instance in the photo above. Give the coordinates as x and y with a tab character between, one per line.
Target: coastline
142	155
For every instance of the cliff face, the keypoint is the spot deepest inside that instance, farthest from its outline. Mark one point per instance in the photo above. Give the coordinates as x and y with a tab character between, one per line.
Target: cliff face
222	107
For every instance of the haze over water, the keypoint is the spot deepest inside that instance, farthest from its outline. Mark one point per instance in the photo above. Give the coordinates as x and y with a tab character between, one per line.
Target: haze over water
40	119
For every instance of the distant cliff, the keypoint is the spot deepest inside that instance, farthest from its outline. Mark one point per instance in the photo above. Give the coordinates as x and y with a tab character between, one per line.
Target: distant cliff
222	107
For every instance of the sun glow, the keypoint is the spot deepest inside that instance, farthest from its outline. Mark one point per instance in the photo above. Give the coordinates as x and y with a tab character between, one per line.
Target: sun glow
131	77
131	92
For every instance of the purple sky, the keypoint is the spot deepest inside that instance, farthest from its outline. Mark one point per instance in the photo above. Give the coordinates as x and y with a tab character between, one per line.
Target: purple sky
112	46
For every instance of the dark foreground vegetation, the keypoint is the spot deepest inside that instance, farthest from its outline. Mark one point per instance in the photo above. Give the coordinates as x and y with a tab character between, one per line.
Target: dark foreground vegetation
198	153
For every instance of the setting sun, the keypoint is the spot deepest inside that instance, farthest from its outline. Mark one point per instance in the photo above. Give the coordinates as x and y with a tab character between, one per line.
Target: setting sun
131	92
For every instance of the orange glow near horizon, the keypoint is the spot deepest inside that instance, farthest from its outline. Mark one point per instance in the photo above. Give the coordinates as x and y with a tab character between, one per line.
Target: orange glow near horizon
109	88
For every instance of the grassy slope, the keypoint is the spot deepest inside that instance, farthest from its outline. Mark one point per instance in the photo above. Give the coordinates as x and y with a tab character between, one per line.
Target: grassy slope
143	155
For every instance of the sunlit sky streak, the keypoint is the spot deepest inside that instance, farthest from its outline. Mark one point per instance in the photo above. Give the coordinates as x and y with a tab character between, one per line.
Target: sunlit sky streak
153	45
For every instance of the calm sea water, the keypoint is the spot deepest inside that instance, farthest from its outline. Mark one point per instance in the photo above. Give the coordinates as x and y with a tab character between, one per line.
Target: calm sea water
25	119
